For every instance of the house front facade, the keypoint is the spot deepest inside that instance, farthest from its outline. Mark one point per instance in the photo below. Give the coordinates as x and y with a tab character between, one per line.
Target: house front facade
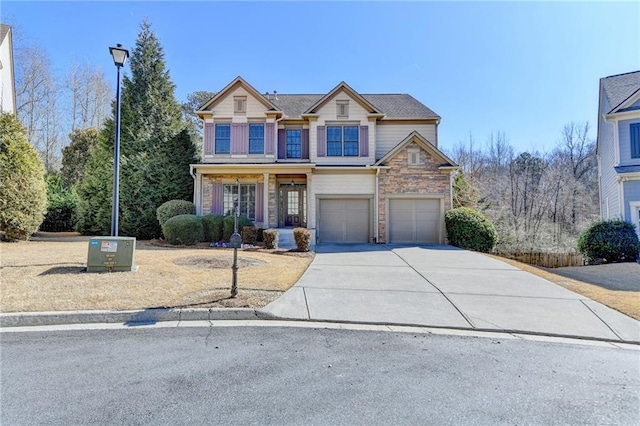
618	147
353	168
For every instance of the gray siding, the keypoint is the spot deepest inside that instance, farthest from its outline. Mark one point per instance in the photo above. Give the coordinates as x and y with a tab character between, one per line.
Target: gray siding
631	193
625	142
609	195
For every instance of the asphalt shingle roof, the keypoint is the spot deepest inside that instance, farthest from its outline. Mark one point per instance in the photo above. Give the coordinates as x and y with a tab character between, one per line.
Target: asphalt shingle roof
619	87
392	105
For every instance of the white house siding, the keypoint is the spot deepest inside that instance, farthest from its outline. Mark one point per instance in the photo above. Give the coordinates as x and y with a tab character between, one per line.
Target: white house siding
389	134
224	108
631	191
609	188
338	183
625	142
327	116
6	76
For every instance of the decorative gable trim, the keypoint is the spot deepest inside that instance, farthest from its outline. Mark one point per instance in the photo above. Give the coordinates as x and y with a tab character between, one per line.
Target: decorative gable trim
448	164
344	87
237	82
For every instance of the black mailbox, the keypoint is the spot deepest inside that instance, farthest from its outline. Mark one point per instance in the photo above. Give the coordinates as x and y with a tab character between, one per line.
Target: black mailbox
235	241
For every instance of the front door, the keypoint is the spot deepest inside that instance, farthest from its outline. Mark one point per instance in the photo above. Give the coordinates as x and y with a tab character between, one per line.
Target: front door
293	205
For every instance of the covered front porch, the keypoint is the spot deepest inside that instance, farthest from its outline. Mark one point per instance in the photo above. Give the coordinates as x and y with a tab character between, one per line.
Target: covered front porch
272	196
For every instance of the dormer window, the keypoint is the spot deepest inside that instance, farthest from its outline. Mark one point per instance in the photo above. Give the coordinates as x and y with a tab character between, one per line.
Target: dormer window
240	104
342	108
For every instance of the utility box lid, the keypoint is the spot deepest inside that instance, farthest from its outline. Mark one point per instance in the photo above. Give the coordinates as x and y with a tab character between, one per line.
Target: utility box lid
111	254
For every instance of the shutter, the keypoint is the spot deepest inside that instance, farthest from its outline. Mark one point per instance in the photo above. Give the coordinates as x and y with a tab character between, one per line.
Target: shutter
259	202
216	206
364	141
305	144
244	138
268	138
209	138
282	144
236	138
322	144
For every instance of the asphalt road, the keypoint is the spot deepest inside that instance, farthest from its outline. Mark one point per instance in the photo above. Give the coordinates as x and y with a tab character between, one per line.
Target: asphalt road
265	375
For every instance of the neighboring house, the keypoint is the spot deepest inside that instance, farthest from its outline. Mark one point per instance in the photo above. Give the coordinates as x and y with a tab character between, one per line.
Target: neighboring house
619	147
352	168
7	76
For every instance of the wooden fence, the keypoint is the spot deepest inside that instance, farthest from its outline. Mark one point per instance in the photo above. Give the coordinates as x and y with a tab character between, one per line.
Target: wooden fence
547	260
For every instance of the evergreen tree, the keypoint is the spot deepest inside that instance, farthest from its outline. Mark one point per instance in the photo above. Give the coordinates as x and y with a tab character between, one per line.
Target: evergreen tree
23	192
76	155
155	147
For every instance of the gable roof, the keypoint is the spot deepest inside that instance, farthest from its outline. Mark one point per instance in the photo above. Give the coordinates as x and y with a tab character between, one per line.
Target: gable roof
415	136
238	81
619	88
346	88
393	106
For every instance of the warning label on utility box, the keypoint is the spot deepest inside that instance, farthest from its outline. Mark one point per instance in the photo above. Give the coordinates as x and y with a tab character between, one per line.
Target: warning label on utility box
109	246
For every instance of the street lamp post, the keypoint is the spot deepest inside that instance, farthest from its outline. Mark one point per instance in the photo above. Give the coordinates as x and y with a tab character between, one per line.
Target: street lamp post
120	56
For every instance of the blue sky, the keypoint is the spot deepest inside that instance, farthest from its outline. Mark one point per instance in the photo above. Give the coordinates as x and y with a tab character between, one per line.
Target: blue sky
525	69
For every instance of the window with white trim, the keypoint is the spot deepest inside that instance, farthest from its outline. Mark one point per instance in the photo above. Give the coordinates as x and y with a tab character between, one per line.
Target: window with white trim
223	138
256	138
342	141
247	200
634	139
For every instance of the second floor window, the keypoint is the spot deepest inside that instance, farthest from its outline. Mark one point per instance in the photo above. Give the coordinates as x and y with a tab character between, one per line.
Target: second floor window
256	138
223	138
294	143
342	141
634	139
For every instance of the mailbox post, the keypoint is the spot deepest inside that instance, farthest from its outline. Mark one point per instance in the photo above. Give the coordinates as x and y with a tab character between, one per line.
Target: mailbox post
235	242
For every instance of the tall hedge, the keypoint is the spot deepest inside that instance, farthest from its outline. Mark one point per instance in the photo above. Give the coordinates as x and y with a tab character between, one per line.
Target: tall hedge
470	229
61	205
23	191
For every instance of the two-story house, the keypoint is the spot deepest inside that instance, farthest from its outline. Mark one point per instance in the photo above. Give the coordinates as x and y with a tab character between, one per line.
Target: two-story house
618	147
351	167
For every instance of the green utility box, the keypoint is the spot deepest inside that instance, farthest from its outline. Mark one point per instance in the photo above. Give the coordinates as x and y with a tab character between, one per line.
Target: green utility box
111	254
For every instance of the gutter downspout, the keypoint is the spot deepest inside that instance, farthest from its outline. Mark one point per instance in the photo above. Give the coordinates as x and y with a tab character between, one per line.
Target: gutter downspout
376	206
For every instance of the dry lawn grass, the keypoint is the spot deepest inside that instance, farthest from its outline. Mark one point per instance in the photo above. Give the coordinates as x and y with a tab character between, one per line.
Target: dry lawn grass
627	302
49	276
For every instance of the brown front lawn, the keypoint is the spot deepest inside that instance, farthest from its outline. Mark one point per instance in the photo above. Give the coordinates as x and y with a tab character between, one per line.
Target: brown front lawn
49	276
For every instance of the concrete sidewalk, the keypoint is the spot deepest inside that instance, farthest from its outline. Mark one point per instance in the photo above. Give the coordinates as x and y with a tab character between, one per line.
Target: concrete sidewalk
442	286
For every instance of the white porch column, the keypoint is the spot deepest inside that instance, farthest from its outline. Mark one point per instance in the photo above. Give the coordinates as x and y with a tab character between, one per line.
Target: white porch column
265	203
307	214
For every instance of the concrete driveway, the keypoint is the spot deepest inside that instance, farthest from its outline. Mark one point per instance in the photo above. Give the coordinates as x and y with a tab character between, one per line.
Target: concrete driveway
442	286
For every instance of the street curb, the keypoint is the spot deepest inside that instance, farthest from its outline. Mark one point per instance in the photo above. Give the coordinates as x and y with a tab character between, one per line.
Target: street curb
145	316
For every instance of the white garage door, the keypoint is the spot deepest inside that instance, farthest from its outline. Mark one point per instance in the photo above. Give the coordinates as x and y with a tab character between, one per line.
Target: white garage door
344	221
414	221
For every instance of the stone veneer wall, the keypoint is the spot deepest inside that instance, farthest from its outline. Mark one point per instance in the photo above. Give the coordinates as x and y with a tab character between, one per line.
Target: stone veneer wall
404	179
209	180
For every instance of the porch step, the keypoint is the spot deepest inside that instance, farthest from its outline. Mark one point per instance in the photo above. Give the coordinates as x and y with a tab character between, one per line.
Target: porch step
286	240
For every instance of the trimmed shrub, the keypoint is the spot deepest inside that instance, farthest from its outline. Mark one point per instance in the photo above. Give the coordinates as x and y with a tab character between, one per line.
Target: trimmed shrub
174	208
303	238
228	226
270	238
212	224
609	241
184	229
469	229
23	191
260	235
249	234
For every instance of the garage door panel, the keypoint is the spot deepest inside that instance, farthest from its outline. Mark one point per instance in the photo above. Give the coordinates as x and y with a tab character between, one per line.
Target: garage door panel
414	221
344	221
